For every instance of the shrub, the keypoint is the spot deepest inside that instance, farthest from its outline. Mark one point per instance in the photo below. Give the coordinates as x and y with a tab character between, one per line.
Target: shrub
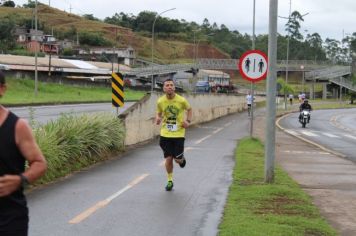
73	142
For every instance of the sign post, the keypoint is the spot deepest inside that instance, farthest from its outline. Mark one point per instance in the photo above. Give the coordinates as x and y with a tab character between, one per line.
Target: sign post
253	67
117	86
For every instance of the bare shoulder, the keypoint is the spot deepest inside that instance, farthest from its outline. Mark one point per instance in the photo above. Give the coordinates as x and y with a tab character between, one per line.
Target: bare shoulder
22	124
22	130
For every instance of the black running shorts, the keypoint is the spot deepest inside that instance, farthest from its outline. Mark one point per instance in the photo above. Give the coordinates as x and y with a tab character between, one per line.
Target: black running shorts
173	147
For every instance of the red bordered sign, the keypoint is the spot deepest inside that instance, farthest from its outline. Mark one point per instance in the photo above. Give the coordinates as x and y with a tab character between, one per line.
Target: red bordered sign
253	65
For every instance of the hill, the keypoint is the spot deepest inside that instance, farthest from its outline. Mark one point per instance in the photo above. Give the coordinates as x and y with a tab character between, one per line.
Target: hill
67	25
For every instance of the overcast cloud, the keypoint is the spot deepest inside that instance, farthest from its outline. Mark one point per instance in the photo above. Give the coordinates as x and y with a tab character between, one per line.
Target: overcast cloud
329	18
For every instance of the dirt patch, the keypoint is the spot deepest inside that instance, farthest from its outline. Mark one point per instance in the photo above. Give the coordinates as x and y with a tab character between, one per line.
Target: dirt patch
281	205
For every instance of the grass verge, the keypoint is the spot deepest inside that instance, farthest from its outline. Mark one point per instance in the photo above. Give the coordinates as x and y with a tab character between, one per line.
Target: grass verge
256	208
75	142
21	91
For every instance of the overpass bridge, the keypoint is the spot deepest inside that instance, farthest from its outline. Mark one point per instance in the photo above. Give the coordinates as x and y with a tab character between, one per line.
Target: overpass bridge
315	71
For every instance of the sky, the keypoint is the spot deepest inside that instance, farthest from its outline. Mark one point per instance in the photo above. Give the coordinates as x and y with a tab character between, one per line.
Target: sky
329	18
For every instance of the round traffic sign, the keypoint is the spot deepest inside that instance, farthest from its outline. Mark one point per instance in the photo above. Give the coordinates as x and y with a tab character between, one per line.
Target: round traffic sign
253	65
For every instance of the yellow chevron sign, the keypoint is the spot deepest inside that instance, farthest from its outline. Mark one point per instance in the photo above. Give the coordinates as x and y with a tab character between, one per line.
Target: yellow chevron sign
117	85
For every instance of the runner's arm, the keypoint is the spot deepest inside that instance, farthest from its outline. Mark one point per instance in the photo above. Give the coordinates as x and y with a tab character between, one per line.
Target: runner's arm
158	118
28	147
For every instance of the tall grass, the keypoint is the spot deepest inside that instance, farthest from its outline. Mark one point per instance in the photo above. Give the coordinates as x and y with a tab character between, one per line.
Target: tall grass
74	142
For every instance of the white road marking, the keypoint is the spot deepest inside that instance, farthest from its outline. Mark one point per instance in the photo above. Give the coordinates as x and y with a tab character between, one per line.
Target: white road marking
201	140
218	130
305	152
228	124
310	134
292	132
349	136
82	216
331	135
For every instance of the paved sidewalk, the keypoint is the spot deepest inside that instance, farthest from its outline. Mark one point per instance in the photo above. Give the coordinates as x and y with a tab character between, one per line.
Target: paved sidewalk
330	180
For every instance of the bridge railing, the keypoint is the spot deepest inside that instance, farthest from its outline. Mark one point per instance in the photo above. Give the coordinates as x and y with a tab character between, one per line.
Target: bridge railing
344	82
328	73
320	68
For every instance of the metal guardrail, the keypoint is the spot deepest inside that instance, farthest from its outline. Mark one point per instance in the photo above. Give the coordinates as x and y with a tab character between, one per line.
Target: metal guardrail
328	73
159	70
344	82
221	64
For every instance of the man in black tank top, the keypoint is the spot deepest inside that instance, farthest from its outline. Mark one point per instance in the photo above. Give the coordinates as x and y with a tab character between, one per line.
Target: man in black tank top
17	145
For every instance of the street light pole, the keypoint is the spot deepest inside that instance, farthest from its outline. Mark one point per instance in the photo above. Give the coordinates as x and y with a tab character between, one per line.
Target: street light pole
288	42
271	93
152	48
302	67
287	62
253	48
36	72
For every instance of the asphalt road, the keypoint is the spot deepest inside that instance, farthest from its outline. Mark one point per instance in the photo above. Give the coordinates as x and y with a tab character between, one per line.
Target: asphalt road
334	129
43	114
126	196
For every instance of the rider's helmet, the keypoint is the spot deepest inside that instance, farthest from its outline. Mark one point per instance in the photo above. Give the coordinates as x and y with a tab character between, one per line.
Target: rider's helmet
305	101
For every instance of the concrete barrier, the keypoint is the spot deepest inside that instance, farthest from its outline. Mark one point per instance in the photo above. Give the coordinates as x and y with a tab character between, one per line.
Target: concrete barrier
139	119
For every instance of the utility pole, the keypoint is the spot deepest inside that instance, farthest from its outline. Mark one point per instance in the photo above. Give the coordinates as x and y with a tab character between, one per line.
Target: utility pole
50	59
271	93
36	39
252	85
153	83
287	63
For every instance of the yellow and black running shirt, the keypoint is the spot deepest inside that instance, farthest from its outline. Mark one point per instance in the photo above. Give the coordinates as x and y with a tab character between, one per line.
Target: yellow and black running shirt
172	115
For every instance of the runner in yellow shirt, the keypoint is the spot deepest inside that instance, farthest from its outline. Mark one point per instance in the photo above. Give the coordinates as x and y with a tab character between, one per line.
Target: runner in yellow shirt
171	109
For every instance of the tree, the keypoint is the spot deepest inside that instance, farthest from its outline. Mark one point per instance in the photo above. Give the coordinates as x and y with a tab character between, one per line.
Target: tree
90	17
8	4
293	25
314	47
93	39
144	21
353	43
30	4
7	40
285	88
333	50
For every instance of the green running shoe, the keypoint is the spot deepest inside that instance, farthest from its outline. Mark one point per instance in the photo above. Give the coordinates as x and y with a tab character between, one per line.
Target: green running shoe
169	186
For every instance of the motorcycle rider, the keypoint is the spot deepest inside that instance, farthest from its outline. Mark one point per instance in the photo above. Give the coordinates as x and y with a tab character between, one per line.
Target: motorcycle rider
304	106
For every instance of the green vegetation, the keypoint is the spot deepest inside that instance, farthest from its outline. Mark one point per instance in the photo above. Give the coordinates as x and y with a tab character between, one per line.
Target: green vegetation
285	88
256	208
72	143
124	29
21	91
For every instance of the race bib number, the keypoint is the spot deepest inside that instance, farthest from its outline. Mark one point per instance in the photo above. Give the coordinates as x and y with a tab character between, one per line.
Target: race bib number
172	127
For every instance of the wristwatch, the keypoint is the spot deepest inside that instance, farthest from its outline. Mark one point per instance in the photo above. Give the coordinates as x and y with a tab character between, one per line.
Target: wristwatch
24	181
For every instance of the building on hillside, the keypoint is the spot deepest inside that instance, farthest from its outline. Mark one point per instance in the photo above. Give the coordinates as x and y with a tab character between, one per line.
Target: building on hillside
32	40
124	56
49	45
21	34
65	44
24	35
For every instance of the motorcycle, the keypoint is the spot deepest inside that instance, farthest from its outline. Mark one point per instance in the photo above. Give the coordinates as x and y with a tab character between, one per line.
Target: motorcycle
304	117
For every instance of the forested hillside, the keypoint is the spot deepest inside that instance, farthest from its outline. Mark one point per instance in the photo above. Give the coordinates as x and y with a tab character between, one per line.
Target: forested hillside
175	40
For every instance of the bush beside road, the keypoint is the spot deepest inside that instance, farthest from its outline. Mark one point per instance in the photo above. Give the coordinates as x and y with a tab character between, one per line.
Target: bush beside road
72	143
